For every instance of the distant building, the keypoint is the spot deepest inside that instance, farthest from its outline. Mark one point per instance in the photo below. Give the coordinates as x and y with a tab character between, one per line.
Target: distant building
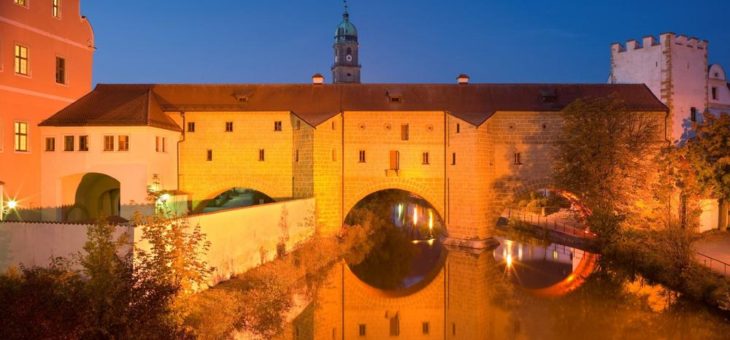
676	70
46	52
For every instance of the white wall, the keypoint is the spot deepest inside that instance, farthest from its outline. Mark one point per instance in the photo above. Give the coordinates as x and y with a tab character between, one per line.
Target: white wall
237	237
61	171
710	216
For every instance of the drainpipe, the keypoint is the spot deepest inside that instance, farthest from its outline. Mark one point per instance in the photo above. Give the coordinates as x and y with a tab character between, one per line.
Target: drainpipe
182	114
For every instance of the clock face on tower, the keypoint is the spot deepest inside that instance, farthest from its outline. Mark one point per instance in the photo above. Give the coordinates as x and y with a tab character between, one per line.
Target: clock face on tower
349	57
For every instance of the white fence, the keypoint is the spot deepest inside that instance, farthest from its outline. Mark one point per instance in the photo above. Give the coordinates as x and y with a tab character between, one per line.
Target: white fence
240	238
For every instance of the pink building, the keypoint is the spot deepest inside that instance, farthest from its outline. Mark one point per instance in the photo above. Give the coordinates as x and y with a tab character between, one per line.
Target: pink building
46	55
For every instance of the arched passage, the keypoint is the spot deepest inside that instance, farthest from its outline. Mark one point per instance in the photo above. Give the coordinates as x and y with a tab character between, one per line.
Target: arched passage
233	198
402	249
97	195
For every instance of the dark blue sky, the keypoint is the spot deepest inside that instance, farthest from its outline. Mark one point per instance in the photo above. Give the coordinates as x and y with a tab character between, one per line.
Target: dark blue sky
263	41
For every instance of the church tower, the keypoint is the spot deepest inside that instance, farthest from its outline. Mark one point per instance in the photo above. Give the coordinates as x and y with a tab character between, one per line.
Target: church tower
346	68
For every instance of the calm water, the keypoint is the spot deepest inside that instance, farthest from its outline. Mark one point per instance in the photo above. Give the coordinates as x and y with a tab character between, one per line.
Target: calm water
411	287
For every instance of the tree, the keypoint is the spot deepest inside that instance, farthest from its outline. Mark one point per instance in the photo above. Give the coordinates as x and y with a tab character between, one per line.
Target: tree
709	154
605	154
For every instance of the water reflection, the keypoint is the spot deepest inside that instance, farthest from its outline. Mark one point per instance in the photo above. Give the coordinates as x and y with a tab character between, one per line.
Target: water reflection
544	269
404	251
471	297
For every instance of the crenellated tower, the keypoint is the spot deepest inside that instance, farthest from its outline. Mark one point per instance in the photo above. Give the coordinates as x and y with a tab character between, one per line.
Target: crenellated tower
346	68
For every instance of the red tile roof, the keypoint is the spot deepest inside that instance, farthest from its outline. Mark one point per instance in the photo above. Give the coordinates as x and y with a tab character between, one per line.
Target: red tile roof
474	103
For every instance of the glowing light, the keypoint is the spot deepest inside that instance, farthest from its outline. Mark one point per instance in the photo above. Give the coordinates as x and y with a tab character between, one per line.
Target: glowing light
400	210
430	221
164	198
415	215
12	204
508	260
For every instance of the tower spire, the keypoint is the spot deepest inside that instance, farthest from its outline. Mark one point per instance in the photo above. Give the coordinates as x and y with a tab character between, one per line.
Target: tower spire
346	68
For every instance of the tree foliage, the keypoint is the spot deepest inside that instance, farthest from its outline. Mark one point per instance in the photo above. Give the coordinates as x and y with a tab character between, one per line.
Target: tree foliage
605	154
709	154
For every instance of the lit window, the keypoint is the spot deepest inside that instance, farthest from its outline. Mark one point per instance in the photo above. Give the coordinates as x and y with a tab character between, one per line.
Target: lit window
68	143
21	136
362	329
83	143
404	132
60	70
21	60
23	3
394	160
229	126
425	159
277	125
108	143
262	155
518	158
362	156
56	8
50	144
123	144
210	155
191	126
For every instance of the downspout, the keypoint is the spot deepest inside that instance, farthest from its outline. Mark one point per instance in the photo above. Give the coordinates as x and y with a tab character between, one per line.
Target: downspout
182	114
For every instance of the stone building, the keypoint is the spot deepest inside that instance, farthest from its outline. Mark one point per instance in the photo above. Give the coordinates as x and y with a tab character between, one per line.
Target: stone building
465	148
676	69
46	52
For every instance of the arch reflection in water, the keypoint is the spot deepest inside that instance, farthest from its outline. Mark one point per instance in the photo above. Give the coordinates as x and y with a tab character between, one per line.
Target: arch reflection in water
404	250
546	270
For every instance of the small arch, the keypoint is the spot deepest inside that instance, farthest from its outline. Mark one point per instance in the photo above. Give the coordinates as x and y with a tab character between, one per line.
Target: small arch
97	196
232	198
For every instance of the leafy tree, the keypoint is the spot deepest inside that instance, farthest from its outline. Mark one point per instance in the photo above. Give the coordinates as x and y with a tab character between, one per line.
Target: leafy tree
709	154
605	154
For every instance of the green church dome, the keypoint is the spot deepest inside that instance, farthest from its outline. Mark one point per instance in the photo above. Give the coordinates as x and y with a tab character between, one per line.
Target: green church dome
346	31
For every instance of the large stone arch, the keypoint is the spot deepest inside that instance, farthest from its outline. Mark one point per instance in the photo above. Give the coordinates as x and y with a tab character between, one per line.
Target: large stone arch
433	198
510	193
97	195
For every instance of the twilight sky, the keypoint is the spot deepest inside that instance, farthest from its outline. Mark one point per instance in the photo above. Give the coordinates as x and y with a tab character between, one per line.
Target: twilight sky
286	41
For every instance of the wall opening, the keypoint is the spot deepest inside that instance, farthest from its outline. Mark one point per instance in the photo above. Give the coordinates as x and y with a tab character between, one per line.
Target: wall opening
97	196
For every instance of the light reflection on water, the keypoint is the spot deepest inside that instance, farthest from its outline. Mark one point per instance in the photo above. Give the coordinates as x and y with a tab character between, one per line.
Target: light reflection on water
476	295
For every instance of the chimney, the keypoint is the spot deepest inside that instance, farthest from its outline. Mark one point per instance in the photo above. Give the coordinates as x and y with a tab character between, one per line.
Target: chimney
462	79
317	79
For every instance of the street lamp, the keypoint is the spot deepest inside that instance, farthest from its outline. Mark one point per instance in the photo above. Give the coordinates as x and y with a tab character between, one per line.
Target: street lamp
11	205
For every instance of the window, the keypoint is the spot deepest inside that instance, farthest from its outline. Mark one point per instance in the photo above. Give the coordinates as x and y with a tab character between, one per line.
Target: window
23	3
458	127
425	328
404	132
693	114
209	156
108	143
262	155
362	329
50	144
298	124
296	156
453	328
714	93
334	155
21	136
333	125
164	144
68	143
394	160
83	143
395	325
56	8
362	156
229	126
453	158
518	158
123	144
277	125
21	59
60	70
425	159
191	126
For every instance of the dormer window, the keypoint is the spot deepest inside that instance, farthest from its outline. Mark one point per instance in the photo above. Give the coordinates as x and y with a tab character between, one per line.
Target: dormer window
394	97
56	9
549	96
